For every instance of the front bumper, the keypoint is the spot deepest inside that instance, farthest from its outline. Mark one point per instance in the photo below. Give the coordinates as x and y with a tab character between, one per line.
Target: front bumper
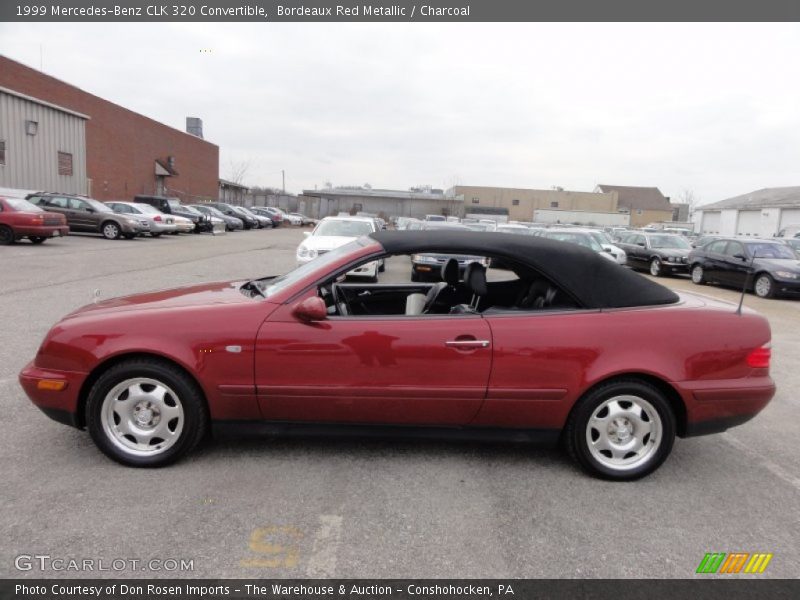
60	405
786	286
674	267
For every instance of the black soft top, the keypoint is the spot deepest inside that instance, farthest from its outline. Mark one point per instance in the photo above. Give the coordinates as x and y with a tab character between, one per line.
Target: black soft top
593	280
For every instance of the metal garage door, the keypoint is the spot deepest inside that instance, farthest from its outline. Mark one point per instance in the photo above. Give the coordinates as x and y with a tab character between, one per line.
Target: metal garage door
710	222
748	222
790	216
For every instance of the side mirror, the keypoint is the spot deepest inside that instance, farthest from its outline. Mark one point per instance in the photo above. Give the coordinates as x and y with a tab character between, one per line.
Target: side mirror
89	209
740	256
607	250
306	233
640	244
311	309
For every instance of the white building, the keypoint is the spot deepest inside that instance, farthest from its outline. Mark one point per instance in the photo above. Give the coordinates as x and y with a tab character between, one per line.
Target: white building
42	146
763	213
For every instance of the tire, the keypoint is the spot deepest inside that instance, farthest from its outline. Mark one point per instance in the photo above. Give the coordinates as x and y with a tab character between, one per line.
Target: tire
656	269
698	275
764	286
110	230
35	239
6	235
626	447
167	396
382	267
129	236
155	235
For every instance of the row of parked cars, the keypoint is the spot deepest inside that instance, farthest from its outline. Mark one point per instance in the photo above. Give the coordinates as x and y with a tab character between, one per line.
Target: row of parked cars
44	215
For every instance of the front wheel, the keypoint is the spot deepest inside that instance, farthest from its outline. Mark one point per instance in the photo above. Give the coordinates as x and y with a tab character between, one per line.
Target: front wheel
655	267
621	431
698	276
6	235
764	286
111	230
145	413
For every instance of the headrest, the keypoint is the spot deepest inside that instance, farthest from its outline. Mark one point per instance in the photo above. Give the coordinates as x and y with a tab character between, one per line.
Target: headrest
475	278
450	272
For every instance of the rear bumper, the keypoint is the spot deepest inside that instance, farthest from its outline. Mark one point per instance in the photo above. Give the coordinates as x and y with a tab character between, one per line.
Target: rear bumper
62	405
714	406
45	231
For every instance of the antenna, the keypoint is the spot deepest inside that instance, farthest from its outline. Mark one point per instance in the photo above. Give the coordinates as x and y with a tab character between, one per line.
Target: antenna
747	279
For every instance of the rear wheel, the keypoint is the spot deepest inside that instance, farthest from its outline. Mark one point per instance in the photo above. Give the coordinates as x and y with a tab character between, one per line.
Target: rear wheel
621	431
655	267
35	239
698	276
155	234
6	235
110	230
145	413
129	236
764	286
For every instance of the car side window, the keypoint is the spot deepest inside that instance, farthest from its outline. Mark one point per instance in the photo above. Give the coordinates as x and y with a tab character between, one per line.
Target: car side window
58	202
717	247
76	204
734	248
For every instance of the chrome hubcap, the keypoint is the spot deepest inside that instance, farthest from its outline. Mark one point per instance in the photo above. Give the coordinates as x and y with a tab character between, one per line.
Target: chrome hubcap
697	274
655	267
624	432
762	286
111	230
142	416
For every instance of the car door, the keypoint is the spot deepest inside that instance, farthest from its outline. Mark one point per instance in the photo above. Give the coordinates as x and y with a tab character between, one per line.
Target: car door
410	370
734	265
61	204
635	248
714	263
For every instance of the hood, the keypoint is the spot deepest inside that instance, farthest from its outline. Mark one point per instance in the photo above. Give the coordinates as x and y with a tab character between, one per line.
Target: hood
224	292
779	264
673	251
325	242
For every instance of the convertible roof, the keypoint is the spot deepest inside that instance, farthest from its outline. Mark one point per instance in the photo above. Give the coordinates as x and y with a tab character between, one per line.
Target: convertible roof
593	280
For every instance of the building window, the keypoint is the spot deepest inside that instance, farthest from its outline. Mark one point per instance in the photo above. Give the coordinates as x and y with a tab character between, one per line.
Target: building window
554	204
515	202
476	201
2	152
31	127
64	163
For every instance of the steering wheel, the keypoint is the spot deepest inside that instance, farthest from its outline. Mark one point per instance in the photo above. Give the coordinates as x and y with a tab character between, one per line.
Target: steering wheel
340	300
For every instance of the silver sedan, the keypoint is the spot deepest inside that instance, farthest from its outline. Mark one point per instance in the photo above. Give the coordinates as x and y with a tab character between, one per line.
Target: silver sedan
159	222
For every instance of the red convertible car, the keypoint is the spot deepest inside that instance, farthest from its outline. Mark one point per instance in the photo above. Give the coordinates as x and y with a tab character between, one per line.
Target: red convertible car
565	346
21	219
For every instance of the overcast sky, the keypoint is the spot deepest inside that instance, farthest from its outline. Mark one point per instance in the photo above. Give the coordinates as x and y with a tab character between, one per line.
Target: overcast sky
711	108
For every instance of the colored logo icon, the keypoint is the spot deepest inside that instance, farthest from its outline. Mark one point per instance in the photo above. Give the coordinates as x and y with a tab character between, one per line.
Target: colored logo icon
735	562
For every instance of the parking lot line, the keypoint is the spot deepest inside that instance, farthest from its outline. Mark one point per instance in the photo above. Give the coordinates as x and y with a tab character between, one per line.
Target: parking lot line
325	547
773	468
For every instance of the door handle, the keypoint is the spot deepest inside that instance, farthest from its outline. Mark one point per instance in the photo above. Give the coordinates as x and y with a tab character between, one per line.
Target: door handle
467	343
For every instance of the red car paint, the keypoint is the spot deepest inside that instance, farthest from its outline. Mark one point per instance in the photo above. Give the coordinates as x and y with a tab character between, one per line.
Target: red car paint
399	370
39	224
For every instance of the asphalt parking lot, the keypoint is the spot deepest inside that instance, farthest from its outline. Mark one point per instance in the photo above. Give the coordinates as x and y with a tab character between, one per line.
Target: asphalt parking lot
354	508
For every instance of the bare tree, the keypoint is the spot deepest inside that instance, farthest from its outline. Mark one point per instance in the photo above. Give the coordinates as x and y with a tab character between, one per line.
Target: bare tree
237	171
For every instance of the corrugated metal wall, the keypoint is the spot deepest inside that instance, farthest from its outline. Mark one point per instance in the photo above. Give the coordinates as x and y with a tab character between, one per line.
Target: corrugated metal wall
32	160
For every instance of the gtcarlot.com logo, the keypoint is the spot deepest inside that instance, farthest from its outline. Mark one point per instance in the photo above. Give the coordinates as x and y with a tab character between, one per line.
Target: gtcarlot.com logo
45	562
735	562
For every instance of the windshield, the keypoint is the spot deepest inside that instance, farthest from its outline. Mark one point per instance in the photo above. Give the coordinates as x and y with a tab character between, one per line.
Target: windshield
575	238
767	250
22	205
272	285
344	228
477	226
601	237
517	230
147	209
174	202
210	210
192	210
669	241
98	206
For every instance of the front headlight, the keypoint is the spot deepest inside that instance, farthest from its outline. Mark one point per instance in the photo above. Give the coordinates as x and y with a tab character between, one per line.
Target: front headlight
304	252
425	260
787	274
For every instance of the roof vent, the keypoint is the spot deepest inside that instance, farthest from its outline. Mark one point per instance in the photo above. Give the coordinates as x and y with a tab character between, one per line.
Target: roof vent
194	126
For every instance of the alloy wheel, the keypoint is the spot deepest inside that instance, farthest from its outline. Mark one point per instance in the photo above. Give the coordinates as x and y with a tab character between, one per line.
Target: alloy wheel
111	231
698	276
763	286
655	267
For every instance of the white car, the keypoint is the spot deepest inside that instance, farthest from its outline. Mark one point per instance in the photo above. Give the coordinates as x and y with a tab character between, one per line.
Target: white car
581	237
332	232
608	245
183	224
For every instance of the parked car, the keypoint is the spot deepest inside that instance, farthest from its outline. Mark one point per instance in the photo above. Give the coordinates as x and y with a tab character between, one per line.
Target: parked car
767	267
159	222
602	238
231	223
702	240
435	218
249	221
332	232
277	216
574	349
20	219
431	266
659	253
263	213
581	237
184	225
304	220
793	243
173	206
264	222
89	215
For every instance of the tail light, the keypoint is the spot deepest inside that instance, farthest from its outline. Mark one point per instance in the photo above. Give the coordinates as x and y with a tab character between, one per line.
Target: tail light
37	219
157	218
759	358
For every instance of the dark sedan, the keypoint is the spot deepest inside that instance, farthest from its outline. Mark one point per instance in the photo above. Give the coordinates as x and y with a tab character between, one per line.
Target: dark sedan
766	267
428	267
659	253
231	223
249	221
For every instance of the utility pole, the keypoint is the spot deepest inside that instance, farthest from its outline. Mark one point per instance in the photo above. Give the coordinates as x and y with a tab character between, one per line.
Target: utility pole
283	177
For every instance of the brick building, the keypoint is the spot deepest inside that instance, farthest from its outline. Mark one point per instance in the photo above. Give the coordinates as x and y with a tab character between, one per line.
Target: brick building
126	153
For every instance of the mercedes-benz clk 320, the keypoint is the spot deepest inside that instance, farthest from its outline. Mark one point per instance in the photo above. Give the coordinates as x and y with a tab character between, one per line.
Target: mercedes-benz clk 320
564	346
